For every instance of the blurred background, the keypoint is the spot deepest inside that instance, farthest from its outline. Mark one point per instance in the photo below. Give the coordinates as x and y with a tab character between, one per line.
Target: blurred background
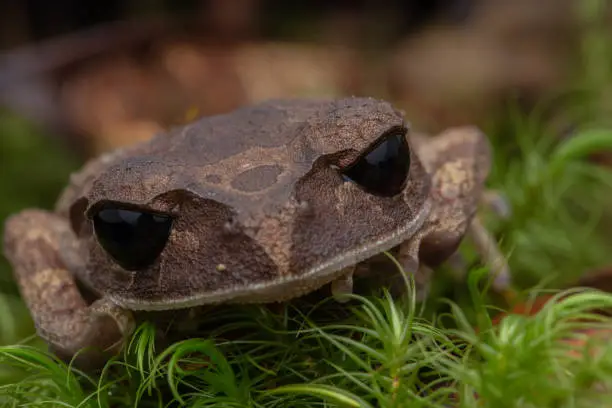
80	78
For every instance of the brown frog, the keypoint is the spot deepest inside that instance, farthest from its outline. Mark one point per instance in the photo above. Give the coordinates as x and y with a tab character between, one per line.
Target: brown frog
260	205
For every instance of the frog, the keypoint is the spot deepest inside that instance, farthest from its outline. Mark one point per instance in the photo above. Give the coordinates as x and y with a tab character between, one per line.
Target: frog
260	205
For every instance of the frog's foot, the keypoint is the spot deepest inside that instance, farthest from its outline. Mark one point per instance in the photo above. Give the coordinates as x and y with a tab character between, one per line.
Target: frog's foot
422	282
457	264
62	317
343	285
421	273
408	255
496	202
122	319
491	255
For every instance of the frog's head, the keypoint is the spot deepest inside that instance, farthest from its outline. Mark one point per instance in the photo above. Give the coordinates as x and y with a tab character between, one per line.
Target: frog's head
262	204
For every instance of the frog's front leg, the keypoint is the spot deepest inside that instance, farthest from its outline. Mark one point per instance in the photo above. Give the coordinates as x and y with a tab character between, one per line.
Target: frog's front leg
408	259
497	203
343	284
487	245
489	251
32	242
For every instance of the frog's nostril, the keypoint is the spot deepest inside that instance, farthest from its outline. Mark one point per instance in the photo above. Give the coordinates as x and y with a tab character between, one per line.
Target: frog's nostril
134	239
232	226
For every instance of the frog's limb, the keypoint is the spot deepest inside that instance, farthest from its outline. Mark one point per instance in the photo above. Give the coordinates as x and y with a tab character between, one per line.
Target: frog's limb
343	284
489	251
500	205
408	254
408	258
485	243
422	282
61	315
457	263
496	202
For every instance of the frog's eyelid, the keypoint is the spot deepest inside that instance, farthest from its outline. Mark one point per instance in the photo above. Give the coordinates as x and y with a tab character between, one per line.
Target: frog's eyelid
115	205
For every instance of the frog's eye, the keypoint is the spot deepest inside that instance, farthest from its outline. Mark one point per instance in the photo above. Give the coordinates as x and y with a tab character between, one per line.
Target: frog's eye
134	239
383	168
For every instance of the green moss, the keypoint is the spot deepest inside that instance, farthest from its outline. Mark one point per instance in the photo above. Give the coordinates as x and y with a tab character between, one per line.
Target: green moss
382	355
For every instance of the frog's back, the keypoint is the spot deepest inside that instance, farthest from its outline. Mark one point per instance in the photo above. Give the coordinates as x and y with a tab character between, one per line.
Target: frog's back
205	141
216	138
249	159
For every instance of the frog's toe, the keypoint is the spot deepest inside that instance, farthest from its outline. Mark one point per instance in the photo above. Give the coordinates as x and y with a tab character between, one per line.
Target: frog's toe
422	282
118	320
457	264
497	202
408	256
501	275
99	333
491	254
343	285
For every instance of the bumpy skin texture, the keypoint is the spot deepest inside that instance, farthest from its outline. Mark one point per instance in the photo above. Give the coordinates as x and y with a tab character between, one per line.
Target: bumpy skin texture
260	213
458	161
253	191
33	242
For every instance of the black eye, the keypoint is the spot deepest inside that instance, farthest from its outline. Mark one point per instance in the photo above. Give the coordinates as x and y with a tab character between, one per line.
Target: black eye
383	169
133	238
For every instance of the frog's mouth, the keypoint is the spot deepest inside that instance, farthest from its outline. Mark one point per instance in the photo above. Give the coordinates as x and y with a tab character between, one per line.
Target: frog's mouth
287	287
